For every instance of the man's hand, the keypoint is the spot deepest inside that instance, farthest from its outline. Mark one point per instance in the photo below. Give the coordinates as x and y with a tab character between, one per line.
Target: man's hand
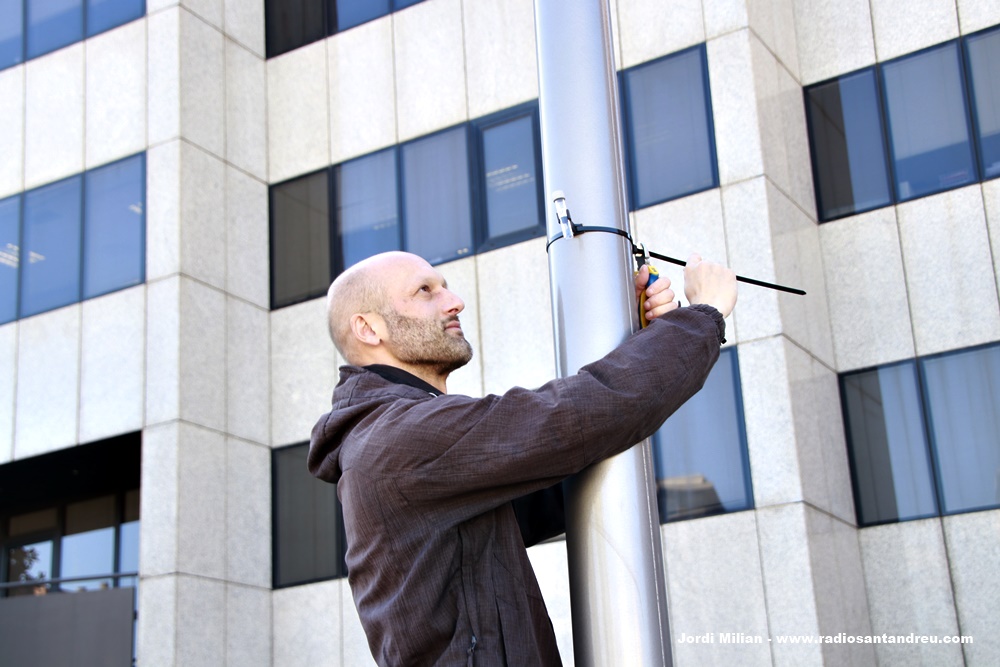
659	296
709	283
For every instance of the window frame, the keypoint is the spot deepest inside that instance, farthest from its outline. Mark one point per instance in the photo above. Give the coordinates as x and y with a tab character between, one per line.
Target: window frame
887	120
970	118
971	106
924	421
484	242
742	446
341	567
81	228
272	233
625	109
887	162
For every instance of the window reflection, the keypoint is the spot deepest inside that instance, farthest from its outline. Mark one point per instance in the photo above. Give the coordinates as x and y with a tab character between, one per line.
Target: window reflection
88	545
924	436
984	69
367	215
436	197
53	24
887	445
50	255
700	452
11	32
849	159
114	251
106	14
351	13
668	119
963	392
509	165
928	134
10	243
27	563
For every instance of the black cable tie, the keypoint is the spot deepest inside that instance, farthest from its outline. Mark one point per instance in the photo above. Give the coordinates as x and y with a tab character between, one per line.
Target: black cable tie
749	281
640	251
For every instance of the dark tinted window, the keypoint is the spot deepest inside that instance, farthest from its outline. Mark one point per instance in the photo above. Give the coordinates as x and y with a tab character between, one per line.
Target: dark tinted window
437	206
887	445
668	121
963	395
308	540
702	466
10	243
511	179
367	206
50	251
849	165
53	24
106	14
289	24
11	32
984	73
300	239
928	122
114	226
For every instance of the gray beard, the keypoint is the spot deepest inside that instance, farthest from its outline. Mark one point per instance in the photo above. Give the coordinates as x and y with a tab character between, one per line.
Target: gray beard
420	342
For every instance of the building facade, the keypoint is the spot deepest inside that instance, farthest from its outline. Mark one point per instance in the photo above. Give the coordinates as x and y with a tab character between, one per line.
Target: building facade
180	181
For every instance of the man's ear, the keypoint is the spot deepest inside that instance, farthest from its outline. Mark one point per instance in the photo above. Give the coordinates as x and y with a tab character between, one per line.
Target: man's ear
367	328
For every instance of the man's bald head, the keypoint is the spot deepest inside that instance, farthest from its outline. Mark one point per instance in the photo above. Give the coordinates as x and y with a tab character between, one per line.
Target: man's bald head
362	289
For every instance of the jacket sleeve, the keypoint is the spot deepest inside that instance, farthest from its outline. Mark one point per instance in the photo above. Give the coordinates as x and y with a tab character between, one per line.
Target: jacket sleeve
484	452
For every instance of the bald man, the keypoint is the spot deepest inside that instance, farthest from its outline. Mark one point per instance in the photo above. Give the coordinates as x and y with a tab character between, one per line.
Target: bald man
436	560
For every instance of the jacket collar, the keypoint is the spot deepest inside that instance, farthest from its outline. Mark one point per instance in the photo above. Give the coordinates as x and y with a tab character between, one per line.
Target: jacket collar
399	376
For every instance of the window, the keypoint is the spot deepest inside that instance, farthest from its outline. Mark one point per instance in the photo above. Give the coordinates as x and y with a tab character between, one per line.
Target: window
962	394
53	24
32	28
104	15
300	239
50	270
466	189
10	243
511	169
74	239
11	32
114	245
308	542
351	13
437	207
983	51
702	466
69	520
906	123
668	128
928	134
924	436
849	160
888	447
289	24
367	207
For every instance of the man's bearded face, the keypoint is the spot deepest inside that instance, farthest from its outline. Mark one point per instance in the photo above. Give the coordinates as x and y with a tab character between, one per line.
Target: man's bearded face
428	342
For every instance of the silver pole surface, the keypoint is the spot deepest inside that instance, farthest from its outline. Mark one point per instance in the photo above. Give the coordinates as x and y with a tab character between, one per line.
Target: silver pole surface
617	585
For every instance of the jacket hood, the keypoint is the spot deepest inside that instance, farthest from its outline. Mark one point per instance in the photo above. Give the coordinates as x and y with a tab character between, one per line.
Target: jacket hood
359	397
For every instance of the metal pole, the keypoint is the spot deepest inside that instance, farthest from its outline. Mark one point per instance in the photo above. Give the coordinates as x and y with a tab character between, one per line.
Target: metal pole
617	585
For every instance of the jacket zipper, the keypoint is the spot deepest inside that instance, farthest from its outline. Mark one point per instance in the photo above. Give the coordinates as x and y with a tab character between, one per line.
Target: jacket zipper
472	649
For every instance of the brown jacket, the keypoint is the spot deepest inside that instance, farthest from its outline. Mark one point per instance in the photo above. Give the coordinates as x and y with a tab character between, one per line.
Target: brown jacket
437	567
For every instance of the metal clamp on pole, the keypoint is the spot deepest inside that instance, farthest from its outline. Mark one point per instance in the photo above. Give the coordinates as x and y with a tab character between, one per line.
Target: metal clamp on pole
562	214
